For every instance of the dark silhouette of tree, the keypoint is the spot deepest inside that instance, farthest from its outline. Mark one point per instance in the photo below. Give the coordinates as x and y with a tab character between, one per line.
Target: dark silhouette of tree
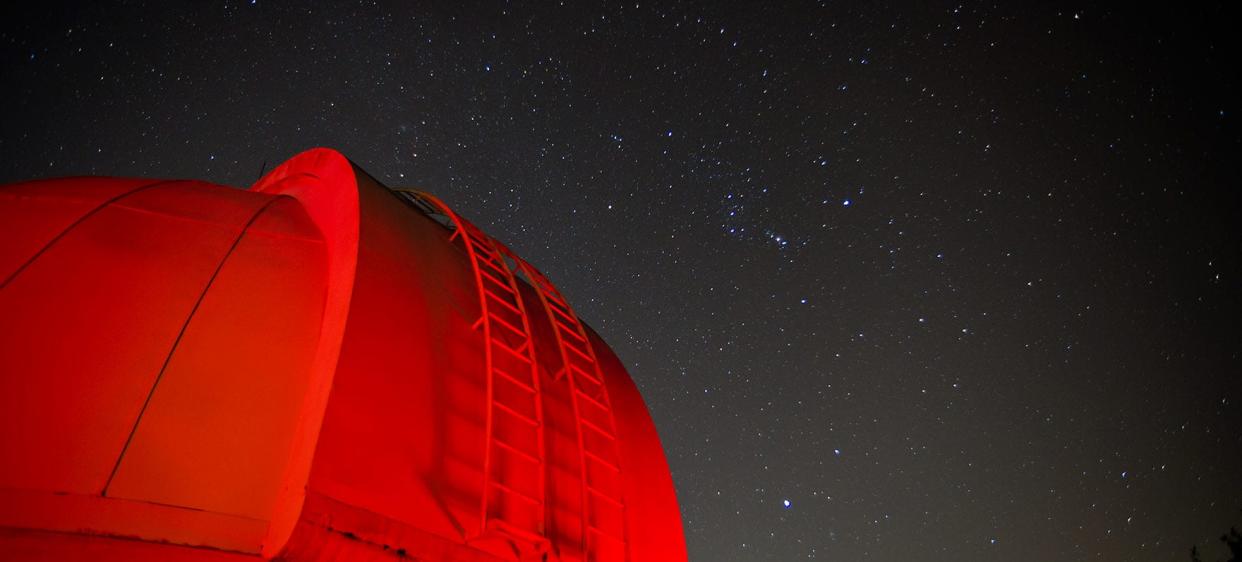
1233	540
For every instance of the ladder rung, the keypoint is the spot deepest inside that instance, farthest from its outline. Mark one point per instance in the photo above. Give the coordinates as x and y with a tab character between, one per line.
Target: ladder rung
563	314
478	239
556	297
523	384
603	461
515	352
600	493
519	415
502	526
509	447
476	235
508	325
560	303
606	534
497	298
492	261
545	284
568	329
535	275
517	493
485	253
597	428
589	376
580	352
592	400
498	281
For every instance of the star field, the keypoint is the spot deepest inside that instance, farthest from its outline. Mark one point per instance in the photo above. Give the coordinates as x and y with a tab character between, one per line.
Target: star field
925	281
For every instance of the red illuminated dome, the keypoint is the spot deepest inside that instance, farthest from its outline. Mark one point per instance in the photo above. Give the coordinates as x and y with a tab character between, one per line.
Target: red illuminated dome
317	368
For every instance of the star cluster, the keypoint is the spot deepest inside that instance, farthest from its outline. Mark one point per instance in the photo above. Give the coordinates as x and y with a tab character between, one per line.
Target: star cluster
925	281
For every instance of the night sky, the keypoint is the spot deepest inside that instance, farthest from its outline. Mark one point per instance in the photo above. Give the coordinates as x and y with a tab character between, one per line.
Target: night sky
898	282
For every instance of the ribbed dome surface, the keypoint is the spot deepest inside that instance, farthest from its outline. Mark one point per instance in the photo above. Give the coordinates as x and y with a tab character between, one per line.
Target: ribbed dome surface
315	368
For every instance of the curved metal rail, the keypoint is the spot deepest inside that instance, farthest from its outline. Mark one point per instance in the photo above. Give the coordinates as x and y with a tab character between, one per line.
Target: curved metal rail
514	425
604	529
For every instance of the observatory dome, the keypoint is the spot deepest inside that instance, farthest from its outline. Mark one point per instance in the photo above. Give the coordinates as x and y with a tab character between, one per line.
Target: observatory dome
314	368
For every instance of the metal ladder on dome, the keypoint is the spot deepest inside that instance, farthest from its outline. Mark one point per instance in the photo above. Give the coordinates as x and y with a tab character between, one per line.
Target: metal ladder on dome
514	425
604	527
